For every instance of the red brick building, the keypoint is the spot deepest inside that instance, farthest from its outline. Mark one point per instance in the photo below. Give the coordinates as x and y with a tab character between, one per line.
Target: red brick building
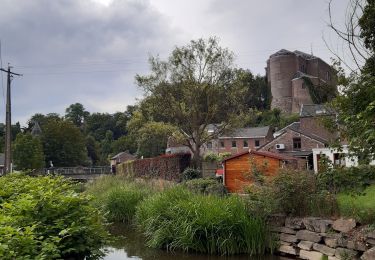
239	140
299	138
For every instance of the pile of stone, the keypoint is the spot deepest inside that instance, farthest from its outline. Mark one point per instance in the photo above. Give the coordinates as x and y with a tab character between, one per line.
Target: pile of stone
316	238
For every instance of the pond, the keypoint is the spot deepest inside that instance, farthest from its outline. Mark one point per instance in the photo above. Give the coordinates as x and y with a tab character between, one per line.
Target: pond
131	245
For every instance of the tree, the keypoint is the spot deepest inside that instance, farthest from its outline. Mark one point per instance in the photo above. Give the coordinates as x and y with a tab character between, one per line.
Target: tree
76	114
64	144
192	89
93	150
257	92
152	138
28	152
356	105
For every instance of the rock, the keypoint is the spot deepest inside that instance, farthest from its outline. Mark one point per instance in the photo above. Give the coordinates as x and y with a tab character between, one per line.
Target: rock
294	223
370	241
285	243
288	250
310	255
344	225
288	238
369	254
344	253
331	242
305	245
288	231
277	220
371	235
324	249
357	245
283	230
333	258
308	235
317	224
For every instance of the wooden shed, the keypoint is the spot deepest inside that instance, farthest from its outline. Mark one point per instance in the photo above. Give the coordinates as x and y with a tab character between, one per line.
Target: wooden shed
239	169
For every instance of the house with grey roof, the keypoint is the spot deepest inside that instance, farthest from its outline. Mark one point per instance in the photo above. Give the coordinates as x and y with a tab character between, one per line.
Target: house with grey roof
300	138
239	140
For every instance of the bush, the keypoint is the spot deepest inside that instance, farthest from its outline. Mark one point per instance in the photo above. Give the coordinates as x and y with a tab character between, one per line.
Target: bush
180	219
191	173
118	196
214	157
45	218
298	193
351	179
292	192
206	186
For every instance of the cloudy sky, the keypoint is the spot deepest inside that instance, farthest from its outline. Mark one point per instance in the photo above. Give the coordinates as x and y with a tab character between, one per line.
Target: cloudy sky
89	51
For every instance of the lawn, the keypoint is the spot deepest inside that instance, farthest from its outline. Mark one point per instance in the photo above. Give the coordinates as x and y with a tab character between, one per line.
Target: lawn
360	206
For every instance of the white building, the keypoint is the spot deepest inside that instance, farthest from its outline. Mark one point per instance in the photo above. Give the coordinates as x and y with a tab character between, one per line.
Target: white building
337	157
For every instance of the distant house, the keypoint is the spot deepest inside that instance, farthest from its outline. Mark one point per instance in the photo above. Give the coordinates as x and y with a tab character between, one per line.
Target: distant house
239	168
121	157
299	138
239	140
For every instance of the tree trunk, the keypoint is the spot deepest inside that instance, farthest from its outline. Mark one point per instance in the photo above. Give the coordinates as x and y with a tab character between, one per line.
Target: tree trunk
197	160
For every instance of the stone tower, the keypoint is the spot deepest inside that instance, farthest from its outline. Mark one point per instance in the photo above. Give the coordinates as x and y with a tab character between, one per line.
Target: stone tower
286	72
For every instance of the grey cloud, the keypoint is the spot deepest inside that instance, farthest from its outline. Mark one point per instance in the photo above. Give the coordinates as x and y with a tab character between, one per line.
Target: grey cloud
78	51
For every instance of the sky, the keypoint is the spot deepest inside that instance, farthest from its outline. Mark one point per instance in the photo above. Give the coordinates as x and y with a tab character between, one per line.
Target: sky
89	51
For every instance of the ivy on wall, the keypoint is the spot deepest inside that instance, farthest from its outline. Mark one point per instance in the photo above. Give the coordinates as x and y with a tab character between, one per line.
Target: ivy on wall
319	93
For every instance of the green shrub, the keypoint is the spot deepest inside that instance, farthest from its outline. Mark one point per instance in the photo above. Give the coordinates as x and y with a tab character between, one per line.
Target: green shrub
118	196
45	218
180	219
206	186
351	179
120	202
214	157
358	206
191	173
294	193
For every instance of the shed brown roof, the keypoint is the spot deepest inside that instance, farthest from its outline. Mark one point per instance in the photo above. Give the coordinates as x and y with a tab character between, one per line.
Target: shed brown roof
262	153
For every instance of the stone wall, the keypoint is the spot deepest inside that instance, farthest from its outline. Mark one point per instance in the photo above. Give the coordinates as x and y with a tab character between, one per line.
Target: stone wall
317	239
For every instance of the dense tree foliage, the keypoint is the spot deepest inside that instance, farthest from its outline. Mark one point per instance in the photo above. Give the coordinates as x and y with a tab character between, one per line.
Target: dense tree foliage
76	114
356	106
64	144
28	152
195	87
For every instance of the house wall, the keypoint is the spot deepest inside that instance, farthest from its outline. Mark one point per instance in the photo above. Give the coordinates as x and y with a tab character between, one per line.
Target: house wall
307	144
240	142
237	171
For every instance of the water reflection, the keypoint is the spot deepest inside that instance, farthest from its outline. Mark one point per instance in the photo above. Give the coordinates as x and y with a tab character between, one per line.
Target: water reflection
131	245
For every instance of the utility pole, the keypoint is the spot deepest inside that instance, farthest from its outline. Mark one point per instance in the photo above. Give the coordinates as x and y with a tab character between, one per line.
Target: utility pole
8	122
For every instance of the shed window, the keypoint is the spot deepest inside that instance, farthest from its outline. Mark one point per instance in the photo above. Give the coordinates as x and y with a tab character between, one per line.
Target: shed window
257	143
245	143
222	145
297	143
234	144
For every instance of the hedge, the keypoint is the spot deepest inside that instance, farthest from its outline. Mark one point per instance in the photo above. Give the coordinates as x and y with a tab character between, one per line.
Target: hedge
167	167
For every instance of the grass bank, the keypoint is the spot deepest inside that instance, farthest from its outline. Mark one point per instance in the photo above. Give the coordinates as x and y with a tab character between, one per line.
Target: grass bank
180	219
361	205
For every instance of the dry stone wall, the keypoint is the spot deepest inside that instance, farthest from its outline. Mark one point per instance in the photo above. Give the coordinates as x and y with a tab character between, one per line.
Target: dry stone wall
316	238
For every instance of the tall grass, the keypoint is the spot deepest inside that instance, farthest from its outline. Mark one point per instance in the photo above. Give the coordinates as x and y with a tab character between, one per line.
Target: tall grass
180	219
118	196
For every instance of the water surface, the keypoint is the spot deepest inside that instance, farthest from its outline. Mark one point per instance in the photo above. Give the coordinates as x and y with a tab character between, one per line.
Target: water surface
131	245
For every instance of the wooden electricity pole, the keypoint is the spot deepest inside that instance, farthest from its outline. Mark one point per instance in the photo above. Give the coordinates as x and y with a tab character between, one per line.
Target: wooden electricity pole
8	122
